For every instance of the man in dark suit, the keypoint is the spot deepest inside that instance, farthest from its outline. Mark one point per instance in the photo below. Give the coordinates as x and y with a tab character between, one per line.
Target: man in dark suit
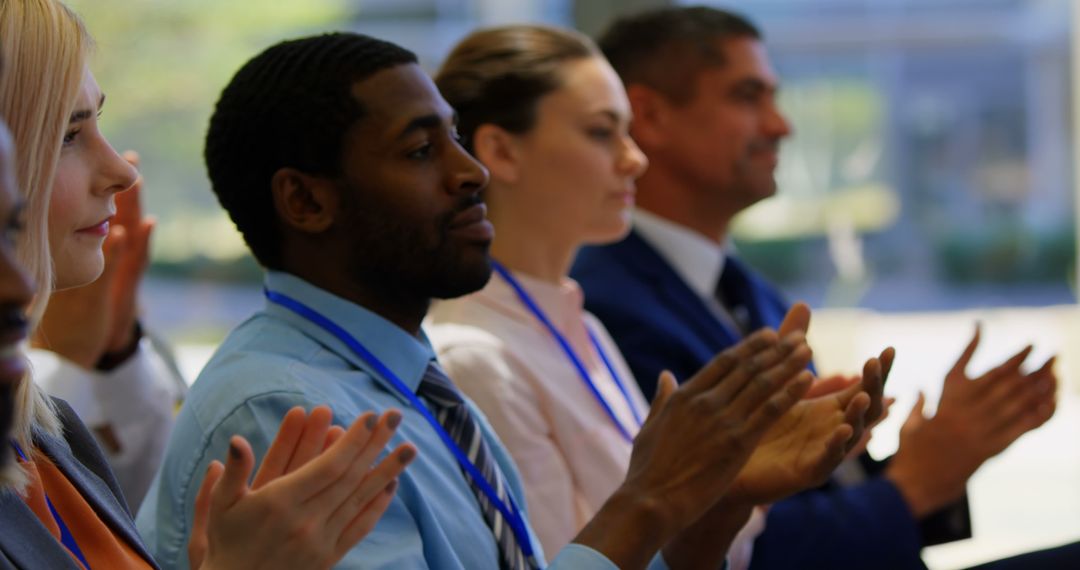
703	97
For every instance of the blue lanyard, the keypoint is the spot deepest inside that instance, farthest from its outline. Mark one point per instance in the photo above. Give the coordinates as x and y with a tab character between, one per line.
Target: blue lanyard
66	537
508	508
572	356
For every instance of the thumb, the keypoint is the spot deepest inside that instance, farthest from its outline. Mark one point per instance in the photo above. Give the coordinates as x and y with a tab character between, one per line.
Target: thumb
665	387
915	417
234	482
797	319
199	540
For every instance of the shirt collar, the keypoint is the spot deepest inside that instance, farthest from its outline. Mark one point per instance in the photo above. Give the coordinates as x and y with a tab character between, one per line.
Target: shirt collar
405	355
698	260
562	303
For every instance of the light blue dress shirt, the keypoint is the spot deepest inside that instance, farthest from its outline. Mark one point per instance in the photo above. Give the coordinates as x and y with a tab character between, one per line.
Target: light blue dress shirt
276	360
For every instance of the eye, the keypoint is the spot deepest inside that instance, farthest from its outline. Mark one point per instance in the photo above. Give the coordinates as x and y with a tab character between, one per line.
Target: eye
70	136
422	152
602	134
14	229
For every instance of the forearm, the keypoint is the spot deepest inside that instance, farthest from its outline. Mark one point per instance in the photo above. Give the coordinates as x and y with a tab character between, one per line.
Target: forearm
705	544
628	530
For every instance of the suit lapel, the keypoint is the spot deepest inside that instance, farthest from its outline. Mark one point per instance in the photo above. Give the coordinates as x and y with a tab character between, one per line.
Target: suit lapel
25	541
641	258
96	493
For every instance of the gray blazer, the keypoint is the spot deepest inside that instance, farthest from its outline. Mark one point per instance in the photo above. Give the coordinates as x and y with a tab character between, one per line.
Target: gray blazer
24	541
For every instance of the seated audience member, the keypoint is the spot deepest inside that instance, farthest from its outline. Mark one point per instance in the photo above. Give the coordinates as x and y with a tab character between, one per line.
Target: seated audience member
703	92
548	117
60	506
91	353
339	163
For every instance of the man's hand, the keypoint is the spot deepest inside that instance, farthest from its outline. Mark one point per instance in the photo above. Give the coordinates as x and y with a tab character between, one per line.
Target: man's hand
695	441
811	440
976	419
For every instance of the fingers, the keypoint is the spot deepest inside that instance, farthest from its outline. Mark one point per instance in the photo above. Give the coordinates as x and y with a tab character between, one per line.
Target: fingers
373	484
277	458
767	414
831	385
335	433
960	368
198	542
797	319
364	523
357	468
886	357
873	385
665	387
343	455
915	416
855	416
313	439
1009	367
722	364
764	374
233	484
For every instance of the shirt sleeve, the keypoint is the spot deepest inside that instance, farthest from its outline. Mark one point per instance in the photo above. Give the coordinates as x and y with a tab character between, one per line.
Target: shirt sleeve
135	400
493	381
578	556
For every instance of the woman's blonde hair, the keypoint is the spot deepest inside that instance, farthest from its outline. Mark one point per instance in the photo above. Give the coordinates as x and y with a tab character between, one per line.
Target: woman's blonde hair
44	46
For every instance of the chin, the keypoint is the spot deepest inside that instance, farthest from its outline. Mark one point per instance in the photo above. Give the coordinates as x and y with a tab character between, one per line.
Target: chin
467	274
77	273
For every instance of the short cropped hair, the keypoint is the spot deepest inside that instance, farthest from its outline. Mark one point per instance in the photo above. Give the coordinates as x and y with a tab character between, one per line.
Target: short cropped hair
666	48
289	107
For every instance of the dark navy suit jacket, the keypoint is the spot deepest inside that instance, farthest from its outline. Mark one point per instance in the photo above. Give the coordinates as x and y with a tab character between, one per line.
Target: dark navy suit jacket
659	323
25	542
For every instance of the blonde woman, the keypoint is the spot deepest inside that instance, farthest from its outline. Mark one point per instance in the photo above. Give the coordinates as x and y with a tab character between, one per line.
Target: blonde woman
60	506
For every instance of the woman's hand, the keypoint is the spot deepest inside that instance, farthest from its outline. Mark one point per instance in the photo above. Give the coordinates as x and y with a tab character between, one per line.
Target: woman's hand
317	493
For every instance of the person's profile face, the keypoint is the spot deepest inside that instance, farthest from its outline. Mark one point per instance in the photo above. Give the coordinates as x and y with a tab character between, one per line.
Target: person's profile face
574	169
411	194
726	138
88	175
16	289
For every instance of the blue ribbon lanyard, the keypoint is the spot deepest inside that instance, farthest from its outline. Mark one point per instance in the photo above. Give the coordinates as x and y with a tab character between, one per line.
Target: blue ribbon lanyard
508	508
572	356
65	535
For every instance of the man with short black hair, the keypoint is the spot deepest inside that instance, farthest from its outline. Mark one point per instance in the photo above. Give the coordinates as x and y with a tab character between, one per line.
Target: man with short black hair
338	161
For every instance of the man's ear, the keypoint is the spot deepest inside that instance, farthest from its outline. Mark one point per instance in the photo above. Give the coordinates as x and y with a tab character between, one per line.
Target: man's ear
652	116
499	152
304	202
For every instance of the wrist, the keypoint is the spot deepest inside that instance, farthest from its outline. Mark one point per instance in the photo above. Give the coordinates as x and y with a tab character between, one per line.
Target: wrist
629	528
705	543
114	358
921	500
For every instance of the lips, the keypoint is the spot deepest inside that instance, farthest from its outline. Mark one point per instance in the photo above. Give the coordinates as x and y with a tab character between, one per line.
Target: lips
100	229
472	224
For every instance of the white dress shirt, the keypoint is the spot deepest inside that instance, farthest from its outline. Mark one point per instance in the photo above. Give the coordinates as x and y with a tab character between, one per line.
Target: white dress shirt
570	454
136	399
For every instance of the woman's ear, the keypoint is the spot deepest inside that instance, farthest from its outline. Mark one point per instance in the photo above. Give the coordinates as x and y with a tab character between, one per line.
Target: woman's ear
304	202
499	151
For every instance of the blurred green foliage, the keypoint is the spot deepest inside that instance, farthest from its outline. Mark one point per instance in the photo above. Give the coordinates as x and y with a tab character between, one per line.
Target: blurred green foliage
162	64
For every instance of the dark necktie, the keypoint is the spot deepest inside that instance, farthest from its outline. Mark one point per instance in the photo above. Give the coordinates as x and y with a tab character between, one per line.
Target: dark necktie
450	409
735	292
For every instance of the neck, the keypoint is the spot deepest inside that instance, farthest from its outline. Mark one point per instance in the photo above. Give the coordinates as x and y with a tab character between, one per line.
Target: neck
665	195
545	260
401	307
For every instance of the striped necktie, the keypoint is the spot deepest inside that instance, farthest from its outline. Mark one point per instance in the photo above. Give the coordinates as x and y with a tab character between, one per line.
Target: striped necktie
450	409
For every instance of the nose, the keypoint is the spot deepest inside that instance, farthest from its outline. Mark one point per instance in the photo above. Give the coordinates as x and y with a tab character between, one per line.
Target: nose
114	174
632	162
467	175
776	124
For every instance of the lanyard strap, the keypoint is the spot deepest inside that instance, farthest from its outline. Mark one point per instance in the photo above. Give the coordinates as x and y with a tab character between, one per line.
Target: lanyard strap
66	537
508	508
568	350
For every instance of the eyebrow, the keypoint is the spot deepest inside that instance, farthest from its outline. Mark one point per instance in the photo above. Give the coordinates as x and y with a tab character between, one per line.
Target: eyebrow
424	122
756	84
84	114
